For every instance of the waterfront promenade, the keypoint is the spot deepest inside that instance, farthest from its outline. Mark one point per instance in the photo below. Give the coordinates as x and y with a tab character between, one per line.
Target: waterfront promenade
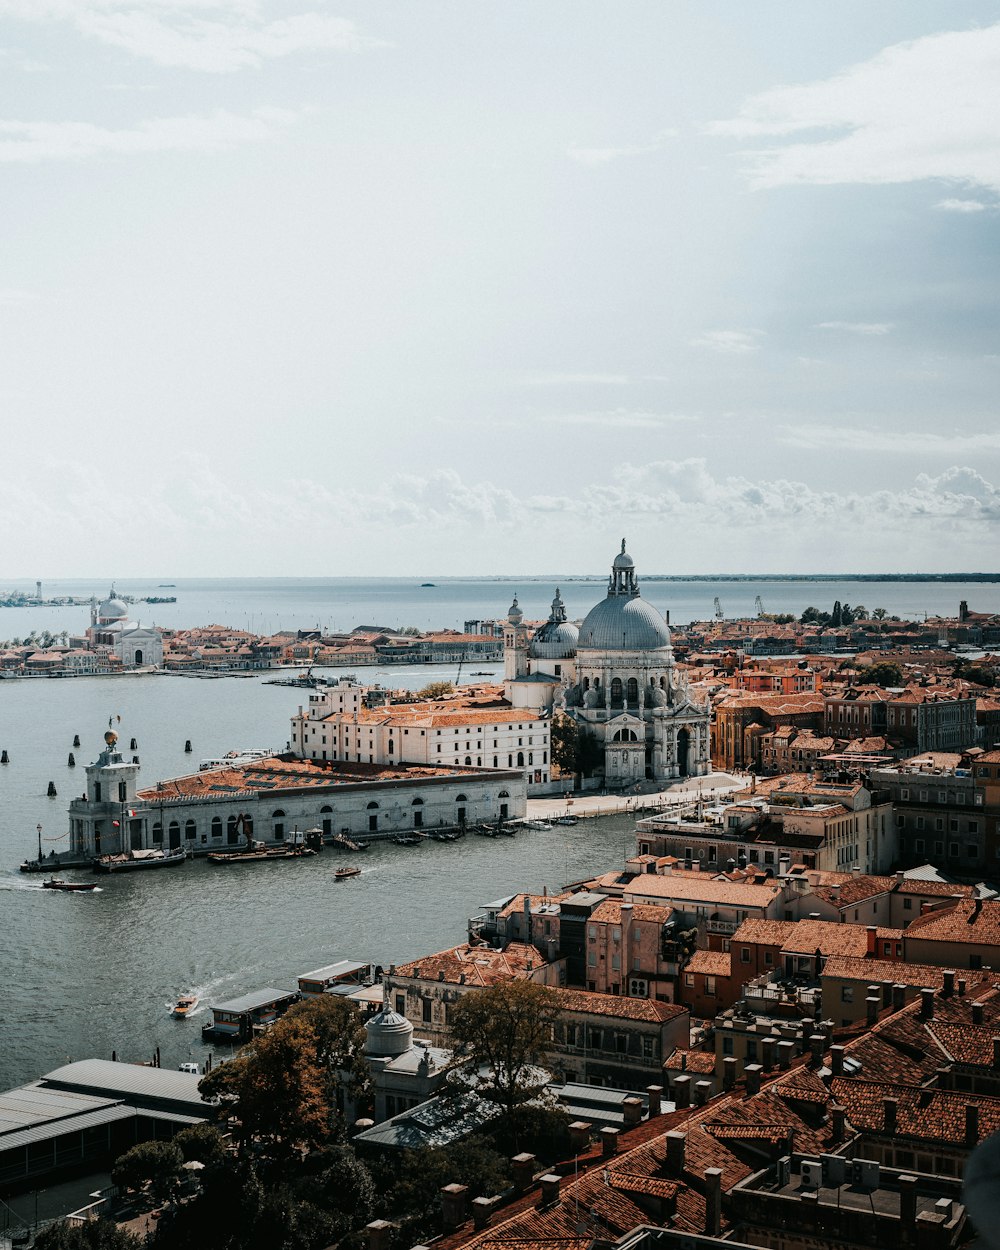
637	799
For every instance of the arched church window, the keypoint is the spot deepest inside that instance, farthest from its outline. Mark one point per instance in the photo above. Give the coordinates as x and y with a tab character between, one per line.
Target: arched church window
616	691
632	690
586	683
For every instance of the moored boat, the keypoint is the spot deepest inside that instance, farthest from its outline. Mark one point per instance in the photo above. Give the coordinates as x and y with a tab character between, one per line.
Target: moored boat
184	1006
57	883
341	873
132	861
255	857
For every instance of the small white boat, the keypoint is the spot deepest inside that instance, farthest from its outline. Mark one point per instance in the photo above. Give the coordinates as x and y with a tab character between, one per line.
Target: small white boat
184	1006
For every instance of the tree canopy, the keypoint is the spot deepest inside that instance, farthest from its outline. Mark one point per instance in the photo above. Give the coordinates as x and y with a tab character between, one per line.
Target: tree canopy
159	1162
282	1088
505	1031
435	690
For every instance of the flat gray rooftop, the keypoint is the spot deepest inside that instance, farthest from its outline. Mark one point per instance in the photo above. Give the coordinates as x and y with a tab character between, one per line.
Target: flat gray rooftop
259	998
125	1082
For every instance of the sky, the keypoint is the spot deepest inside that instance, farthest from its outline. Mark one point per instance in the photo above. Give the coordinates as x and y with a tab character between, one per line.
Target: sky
309	288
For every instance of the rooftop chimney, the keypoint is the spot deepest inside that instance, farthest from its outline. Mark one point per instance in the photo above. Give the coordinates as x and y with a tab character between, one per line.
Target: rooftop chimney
702	1090
971	1123
889	1106
907	1201
631	1111
927	1004
786	1051
872	1004
453	1199
379	1234
682	1091
675	1143
948	986
872	935
837	1060
961	986
550	1189
898	996
655	1096
752	1072
977	1013
713	1202
729	1071
838	1121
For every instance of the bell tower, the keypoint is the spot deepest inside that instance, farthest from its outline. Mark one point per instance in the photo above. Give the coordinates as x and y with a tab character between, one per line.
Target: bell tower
101	822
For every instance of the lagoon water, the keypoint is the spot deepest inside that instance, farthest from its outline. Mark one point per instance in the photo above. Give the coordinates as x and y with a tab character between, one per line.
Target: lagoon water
85	975
340	603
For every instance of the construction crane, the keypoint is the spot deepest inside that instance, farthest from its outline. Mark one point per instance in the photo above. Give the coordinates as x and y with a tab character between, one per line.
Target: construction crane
759	605
718	609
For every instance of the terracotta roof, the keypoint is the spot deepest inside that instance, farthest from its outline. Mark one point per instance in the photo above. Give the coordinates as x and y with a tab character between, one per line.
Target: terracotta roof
701	1062
883	971
619	1006
968	921
710	963
610	911
475	965
855	890
924	1114
690	889
938	889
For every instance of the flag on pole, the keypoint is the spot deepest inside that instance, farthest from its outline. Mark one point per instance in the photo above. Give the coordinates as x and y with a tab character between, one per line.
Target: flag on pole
131	812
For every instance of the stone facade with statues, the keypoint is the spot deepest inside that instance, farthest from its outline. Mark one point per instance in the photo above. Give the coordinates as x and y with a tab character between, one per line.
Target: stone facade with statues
616	677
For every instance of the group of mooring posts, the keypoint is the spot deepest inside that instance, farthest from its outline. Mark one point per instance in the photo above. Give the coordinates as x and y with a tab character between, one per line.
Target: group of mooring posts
71	759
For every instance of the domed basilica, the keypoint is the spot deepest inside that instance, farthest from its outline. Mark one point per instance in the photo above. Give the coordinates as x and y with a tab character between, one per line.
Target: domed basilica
615	676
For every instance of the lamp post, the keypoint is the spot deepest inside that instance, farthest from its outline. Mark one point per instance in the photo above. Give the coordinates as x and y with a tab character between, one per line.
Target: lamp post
39	827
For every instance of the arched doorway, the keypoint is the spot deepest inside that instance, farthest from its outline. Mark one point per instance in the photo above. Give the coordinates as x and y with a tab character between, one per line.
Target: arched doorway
138	659
683	751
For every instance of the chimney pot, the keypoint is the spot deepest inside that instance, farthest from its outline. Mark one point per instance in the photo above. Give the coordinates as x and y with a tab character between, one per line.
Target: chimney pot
961	986
676	1144
609	1142
948	983
453	1198
523	1167
752	1072
786	1051
837	1060
482	1212
550	1188
729	1072
631	1112
702	1091
898	997
682	1092
713	1202
872	1005
655	1095
977	1013
838	1118
579	1136
927	1004
379	1234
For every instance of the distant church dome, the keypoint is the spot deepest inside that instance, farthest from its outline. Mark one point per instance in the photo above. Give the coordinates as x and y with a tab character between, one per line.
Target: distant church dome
557	639
112	609
389	1034
623	621
514	614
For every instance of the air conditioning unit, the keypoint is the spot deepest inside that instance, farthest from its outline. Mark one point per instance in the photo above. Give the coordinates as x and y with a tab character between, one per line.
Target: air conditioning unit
834	1169
812	1173
866	1173
638	988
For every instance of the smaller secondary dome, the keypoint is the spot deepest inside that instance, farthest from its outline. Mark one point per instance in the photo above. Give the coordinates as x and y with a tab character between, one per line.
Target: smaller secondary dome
389	1033
557	638
514	614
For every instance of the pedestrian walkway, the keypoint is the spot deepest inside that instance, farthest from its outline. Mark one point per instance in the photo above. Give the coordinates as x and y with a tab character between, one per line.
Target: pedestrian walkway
642	799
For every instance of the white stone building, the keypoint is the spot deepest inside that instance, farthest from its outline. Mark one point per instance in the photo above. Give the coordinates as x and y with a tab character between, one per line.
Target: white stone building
135	645
616	677
356	723
270	799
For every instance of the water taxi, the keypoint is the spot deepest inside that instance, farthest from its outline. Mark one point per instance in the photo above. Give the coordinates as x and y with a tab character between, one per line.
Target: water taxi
341	873
57	883
184	1006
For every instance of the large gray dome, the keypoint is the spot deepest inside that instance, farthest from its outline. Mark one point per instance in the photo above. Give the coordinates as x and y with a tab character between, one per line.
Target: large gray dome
623	621
620	623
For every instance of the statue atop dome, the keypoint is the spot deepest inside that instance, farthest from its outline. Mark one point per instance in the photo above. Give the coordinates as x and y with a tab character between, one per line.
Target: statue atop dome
623	580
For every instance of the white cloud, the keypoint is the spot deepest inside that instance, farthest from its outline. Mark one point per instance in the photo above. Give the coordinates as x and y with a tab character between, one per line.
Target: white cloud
858	327
214	36
922	109
161	521
961	206
912	442
729	342
41	141
619	418
603	156
577	379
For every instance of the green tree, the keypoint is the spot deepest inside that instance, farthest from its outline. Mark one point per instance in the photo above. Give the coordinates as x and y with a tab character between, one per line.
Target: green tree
564	740
158	1162
411	1183
879	614
276	1091
810	616
436	690
94	1235
504	1031
340	1044
884	674
201	1142
837	616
